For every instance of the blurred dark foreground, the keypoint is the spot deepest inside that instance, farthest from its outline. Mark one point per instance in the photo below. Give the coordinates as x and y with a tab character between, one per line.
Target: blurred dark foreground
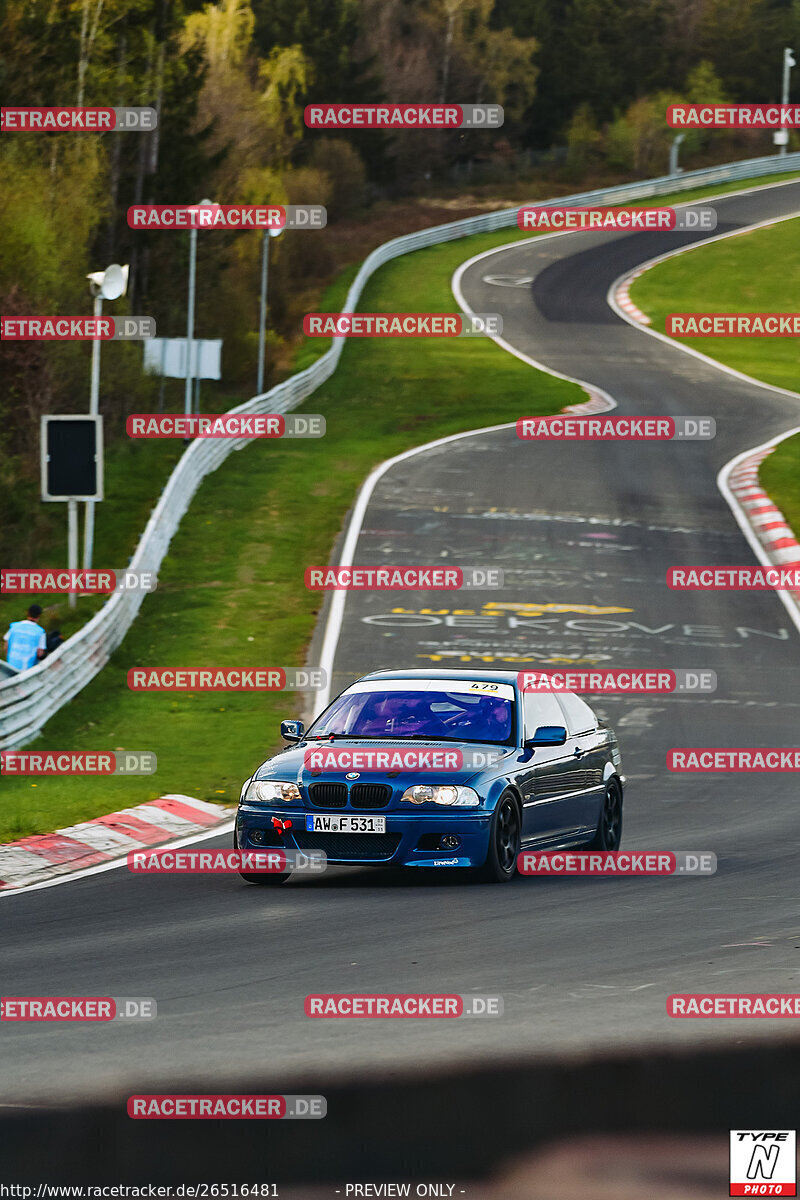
645	1124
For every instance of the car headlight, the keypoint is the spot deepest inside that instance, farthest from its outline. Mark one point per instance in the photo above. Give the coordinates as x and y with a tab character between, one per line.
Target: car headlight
448	794
272	791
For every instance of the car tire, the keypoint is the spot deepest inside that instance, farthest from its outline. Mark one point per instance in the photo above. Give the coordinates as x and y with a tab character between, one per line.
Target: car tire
505	833
265	878
609	827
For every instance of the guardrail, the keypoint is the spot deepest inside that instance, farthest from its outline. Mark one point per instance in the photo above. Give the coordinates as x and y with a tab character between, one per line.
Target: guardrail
31	698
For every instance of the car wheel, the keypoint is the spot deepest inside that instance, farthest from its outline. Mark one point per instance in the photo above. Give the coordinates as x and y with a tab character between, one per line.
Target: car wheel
609	827
265	878
504	842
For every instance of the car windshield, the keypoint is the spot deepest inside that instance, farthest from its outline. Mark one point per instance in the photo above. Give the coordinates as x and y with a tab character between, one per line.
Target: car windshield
441	715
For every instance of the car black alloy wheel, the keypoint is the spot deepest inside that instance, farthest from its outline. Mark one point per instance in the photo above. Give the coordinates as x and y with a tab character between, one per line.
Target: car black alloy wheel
504	842
507	834
609	829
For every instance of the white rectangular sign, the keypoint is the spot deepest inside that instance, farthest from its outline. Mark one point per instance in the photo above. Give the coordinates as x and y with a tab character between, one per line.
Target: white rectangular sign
167	356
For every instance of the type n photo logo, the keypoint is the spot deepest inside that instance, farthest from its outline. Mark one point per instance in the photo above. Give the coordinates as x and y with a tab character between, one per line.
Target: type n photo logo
762	1162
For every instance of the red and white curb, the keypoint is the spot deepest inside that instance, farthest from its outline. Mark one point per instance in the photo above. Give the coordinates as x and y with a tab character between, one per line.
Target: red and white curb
596	403
763	516
623	298
619	296
103	840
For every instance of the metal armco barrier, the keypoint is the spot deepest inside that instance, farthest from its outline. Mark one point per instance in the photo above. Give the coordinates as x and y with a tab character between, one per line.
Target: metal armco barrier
31	698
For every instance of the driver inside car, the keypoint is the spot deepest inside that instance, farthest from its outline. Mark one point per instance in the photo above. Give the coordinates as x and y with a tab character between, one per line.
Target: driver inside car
401	716
489	720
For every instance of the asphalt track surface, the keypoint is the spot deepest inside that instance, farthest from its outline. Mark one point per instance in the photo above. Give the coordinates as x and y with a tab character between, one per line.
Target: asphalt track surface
582	964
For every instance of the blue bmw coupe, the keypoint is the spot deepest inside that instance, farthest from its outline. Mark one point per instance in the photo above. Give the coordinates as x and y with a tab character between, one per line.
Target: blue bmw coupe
438	769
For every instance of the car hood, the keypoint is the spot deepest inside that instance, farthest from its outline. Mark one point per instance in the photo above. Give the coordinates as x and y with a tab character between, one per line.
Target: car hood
289	764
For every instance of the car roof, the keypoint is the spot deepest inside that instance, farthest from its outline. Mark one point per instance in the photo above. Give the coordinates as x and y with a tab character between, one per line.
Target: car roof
445	673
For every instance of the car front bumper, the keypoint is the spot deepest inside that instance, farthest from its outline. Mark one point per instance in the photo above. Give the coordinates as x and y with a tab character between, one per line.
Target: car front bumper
399	846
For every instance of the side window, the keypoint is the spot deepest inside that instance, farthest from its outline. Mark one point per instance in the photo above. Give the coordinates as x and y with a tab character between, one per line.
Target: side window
580	718
540	708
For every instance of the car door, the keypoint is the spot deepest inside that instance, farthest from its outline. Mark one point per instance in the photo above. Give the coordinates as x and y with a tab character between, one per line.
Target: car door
541	778
582	784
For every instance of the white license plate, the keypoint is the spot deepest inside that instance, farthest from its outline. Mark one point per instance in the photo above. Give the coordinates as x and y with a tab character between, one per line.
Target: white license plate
338	823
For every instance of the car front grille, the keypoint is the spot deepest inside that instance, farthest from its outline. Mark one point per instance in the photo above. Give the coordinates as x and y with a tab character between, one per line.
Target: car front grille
328	795
361	795
349	845
370	795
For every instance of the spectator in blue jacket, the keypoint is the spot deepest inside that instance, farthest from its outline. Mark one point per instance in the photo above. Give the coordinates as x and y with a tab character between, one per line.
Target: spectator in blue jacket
26	640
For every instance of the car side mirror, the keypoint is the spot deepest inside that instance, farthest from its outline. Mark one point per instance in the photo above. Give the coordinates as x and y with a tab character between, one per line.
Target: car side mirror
292	731
548	735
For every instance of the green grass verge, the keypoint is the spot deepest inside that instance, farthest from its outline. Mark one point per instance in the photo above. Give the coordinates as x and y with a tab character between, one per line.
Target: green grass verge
754	272
231	588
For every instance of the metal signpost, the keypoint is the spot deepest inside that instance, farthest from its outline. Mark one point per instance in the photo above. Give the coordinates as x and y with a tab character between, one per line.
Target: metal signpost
71	453
106	285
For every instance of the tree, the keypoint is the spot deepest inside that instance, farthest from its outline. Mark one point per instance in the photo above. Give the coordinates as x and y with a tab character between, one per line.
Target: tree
252	109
